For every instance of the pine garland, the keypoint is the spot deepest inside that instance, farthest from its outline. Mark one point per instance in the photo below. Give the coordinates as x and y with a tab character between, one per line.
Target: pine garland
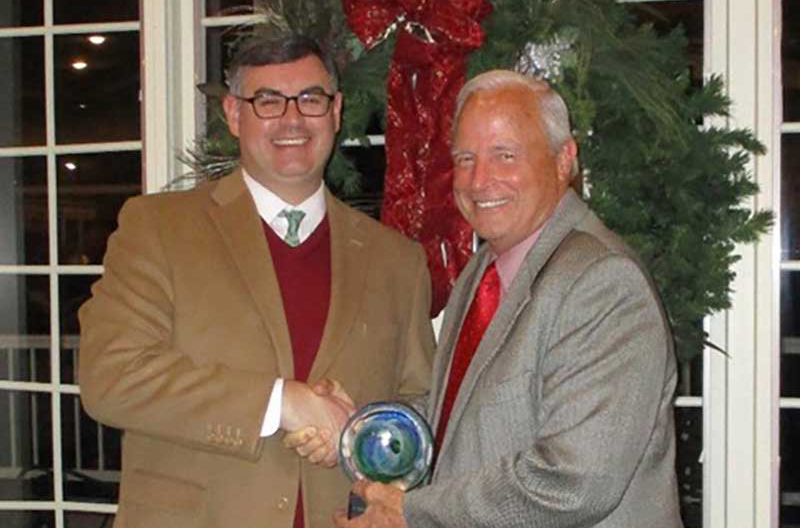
674	189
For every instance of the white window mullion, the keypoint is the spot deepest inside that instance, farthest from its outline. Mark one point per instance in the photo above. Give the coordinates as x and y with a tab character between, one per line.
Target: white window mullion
790	403
768	317
232	20
765	311
90	507
52	208
186	53
715	372
715	425
768	360
159	152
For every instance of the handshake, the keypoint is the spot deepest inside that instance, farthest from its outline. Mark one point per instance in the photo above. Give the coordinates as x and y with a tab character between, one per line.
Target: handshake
313	417
397	440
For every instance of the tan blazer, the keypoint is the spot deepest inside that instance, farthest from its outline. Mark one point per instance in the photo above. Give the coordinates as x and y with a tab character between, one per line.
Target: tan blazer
185	335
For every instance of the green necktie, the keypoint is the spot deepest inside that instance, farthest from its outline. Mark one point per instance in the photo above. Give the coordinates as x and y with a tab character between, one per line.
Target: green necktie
294	218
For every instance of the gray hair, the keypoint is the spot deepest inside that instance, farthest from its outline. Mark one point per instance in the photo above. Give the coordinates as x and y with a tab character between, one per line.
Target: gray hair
261	51
552	109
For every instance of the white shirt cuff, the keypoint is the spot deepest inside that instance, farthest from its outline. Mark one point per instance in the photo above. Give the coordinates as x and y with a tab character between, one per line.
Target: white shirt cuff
272	419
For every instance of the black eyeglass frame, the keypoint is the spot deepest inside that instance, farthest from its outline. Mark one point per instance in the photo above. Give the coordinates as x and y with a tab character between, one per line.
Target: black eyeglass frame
286	100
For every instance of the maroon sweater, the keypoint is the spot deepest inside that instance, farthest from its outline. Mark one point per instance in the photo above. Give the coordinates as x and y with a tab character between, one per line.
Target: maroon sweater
304	277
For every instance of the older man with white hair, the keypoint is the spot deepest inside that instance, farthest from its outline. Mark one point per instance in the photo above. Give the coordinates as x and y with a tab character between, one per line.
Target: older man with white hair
553	382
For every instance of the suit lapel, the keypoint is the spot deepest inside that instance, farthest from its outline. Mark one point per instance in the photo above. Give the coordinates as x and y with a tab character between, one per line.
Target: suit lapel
455	311
349	261
235	215
566	217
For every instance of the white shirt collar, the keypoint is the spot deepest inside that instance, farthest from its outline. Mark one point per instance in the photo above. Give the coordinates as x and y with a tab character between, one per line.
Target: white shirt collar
270	204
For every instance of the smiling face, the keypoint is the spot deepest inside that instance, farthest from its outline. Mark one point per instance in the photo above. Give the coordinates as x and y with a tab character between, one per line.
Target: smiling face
507	180
286	154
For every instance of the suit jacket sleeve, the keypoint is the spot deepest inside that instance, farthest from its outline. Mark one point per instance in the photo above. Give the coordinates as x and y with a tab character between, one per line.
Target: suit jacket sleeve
417	343
133	377
606	352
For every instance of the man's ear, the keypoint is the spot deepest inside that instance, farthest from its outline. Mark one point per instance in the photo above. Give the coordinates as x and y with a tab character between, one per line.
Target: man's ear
566	160
232	106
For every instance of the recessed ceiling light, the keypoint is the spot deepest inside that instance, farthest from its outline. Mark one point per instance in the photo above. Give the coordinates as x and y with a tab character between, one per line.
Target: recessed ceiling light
70	166
97	39
79	64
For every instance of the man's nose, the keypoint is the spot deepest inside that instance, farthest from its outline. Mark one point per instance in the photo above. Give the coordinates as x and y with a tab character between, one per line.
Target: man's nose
292	112
481	174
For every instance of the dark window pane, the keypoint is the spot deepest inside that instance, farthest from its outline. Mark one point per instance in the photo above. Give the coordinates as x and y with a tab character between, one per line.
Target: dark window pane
790	468
22	101
223	7
75	519
26	447
790	50
690	377
99	102
689	434
15	13
88	11
25	358
24	328
23	211
370	162
90	454
27	519
667	15
790	197
91	191
25	310
218	50
74	290
790	334
69	357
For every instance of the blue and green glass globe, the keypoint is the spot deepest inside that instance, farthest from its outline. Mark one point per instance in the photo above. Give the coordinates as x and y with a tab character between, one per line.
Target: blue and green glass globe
386	442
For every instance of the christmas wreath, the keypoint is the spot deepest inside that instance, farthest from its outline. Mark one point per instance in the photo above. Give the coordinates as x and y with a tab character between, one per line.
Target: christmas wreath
652	167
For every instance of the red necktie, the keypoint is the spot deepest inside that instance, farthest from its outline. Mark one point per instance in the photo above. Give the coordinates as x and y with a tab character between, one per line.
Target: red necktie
480	314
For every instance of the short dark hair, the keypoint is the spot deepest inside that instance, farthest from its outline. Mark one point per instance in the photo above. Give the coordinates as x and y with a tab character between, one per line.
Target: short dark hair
260	51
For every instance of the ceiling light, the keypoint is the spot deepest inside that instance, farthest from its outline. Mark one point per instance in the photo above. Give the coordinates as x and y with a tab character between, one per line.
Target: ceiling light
97	39
79	65
70	166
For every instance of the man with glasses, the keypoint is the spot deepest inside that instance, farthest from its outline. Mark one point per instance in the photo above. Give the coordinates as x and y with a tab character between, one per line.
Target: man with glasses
221	305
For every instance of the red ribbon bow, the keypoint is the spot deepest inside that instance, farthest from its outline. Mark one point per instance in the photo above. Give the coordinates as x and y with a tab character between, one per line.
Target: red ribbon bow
428	67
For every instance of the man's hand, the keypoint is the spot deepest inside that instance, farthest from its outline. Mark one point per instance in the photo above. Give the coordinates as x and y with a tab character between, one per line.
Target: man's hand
384	507
313	418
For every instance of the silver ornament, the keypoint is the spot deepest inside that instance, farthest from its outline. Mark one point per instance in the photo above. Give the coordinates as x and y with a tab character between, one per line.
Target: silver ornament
544	60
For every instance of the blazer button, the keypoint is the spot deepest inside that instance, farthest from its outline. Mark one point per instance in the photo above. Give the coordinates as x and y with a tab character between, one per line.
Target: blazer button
283	503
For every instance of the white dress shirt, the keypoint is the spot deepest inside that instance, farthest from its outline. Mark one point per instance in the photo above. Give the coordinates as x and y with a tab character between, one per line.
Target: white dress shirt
269	205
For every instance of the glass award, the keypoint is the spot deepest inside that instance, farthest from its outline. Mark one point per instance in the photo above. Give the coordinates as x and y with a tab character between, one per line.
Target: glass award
386	442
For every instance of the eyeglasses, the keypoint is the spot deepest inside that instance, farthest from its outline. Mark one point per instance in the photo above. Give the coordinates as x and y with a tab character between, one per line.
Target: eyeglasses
271	105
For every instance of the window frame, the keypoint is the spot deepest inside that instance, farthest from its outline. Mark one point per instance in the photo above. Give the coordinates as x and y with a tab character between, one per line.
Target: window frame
740	392
54	270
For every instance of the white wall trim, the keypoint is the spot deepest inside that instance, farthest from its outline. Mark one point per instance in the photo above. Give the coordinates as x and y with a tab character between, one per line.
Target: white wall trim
740	46
156	95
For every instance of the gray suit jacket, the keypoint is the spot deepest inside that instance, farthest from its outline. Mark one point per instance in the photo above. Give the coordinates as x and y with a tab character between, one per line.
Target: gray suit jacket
565	417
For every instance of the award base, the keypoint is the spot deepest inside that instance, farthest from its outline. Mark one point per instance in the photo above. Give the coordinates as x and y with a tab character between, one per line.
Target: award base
355	506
